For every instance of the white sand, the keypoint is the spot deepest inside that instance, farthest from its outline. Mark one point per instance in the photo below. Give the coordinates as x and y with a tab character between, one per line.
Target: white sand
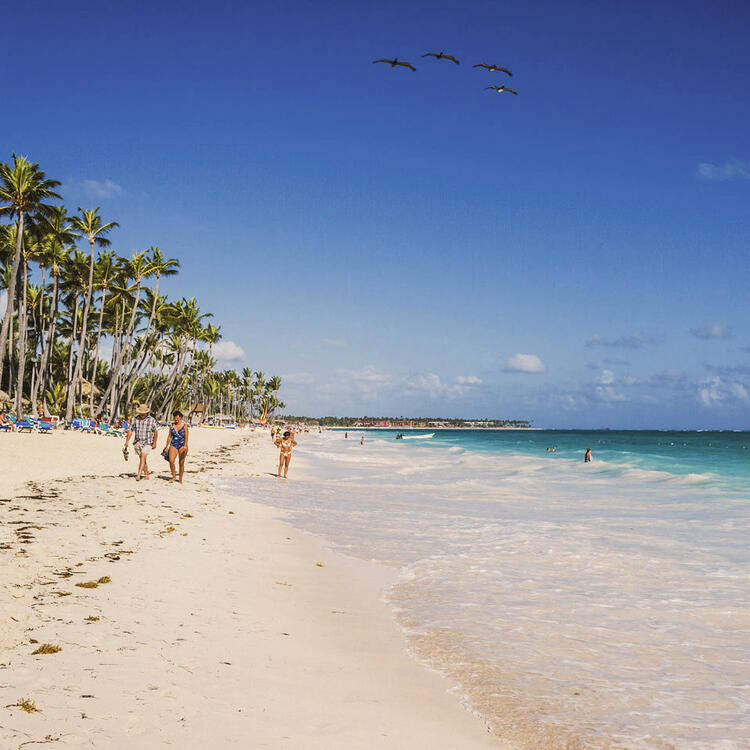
218	628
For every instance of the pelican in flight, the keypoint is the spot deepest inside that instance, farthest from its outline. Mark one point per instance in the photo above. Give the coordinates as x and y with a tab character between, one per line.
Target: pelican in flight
393	63
493	67
441	56
500	89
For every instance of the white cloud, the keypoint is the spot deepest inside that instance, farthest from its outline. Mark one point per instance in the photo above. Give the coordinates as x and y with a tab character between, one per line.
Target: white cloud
524	363
739	391
608	393
432	384
368	374
711	331
101	188
228	351
714	391
335	343
468	380
354	386
727	171
606	378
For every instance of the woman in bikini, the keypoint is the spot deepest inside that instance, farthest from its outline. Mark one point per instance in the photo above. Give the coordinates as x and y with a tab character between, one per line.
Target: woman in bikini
285	444
177	443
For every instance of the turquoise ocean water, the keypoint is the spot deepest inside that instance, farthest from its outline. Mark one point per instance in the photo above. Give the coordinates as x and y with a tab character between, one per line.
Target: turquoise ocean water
572	605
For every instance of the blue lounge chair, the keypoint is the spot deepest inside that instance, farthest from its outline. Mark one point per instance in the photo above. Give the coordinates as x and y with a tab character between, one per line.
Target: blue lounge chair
40	425
20	424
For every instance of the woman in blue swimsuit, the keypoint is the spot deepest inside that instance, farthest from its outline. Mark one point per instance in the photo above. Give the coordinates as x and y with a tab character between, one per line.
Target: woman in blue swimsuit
177	443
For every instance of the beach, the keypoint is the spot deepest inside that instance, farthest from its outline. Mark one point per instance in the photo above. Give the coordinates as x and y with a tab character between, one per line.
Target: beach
188	617
573	605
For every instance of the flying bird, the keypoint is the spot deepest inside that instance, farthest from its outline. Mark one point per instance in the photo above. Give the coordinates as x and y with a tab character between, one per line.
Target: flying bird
441	56
493	67
393	63
500	89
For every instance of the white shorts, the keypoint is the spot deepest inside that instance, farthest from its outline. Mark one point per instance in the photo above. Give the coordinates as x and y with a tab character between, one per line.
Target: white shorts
141	448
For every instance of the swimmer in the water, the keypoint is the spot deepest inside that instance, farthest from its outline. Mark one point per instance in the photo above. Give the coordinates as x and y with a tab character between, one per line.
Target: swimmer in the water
587	457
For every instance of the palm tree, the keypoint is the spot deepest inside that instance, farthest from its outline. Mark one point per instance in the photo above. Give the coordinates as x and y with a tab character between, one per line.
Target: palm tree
53	253
89	225
75	283
52	333
158	266
24	190
57	255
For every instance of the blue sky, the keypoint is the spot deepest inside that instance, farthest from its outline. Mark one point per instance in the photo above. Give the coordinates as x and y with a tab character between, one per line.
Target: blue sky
390	242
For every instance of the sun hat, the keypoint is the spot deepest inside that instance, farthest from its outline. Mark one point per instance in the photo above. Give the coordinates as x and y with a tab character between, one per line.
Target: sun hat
143	409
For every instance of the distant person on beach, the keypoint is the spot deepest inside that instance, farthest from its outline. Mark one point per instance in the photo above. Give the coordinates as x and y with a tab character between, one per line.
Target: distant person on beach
146	431
285	443
346	435
177	444
587	457
362	440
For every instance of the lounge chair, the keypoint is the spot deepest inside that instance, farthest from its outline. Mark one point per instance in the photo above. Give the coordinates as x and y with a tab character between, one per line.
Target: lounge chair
107	430
39	425
20	424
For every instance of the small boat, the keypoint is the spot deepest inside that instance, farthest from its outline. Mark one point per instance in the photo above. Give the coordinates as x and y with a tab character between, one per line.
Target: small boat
418	437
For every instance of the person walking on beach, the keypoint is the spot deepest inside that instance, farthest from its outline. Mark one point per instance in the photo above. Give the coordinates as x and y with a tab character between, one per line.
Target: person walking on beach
177	444
587	457
146	430
286	444
362	440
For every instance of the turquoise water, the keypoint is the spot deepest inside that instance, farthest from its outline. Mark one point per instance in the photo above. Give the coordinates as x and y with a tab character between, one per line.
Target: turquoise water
723	457
573	605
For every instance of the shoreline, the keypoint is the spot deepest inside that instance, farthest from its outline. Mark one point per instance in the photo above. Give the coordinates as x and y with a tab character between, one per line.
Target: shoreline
221	623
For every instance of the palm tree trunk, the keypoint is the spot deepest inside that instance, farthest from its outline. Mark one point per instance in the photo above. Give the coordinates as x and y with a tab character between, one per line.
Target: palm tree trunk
52	338
82	343
151	319
11	297
22	330
96	354
10	363
74	324
47	348
114	375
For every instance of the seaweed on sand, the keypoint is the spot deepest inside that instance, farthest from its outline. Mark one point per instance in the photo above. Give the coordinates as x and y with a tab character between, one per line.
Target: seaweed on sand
27	705
47	648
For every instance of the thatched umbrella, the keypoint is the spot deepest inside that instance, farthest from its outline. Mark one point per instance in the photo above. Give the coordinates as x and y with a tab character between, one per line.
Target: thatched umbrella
86	388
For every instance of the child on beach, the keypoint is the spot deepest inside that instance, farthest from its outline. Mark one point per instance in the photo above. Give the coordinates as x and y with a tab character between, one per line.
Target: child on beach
285	444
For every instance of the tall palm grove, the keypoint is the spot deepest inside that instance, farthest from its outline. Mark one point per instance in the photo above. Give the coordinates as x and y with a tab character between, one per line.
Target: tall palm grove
86	331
